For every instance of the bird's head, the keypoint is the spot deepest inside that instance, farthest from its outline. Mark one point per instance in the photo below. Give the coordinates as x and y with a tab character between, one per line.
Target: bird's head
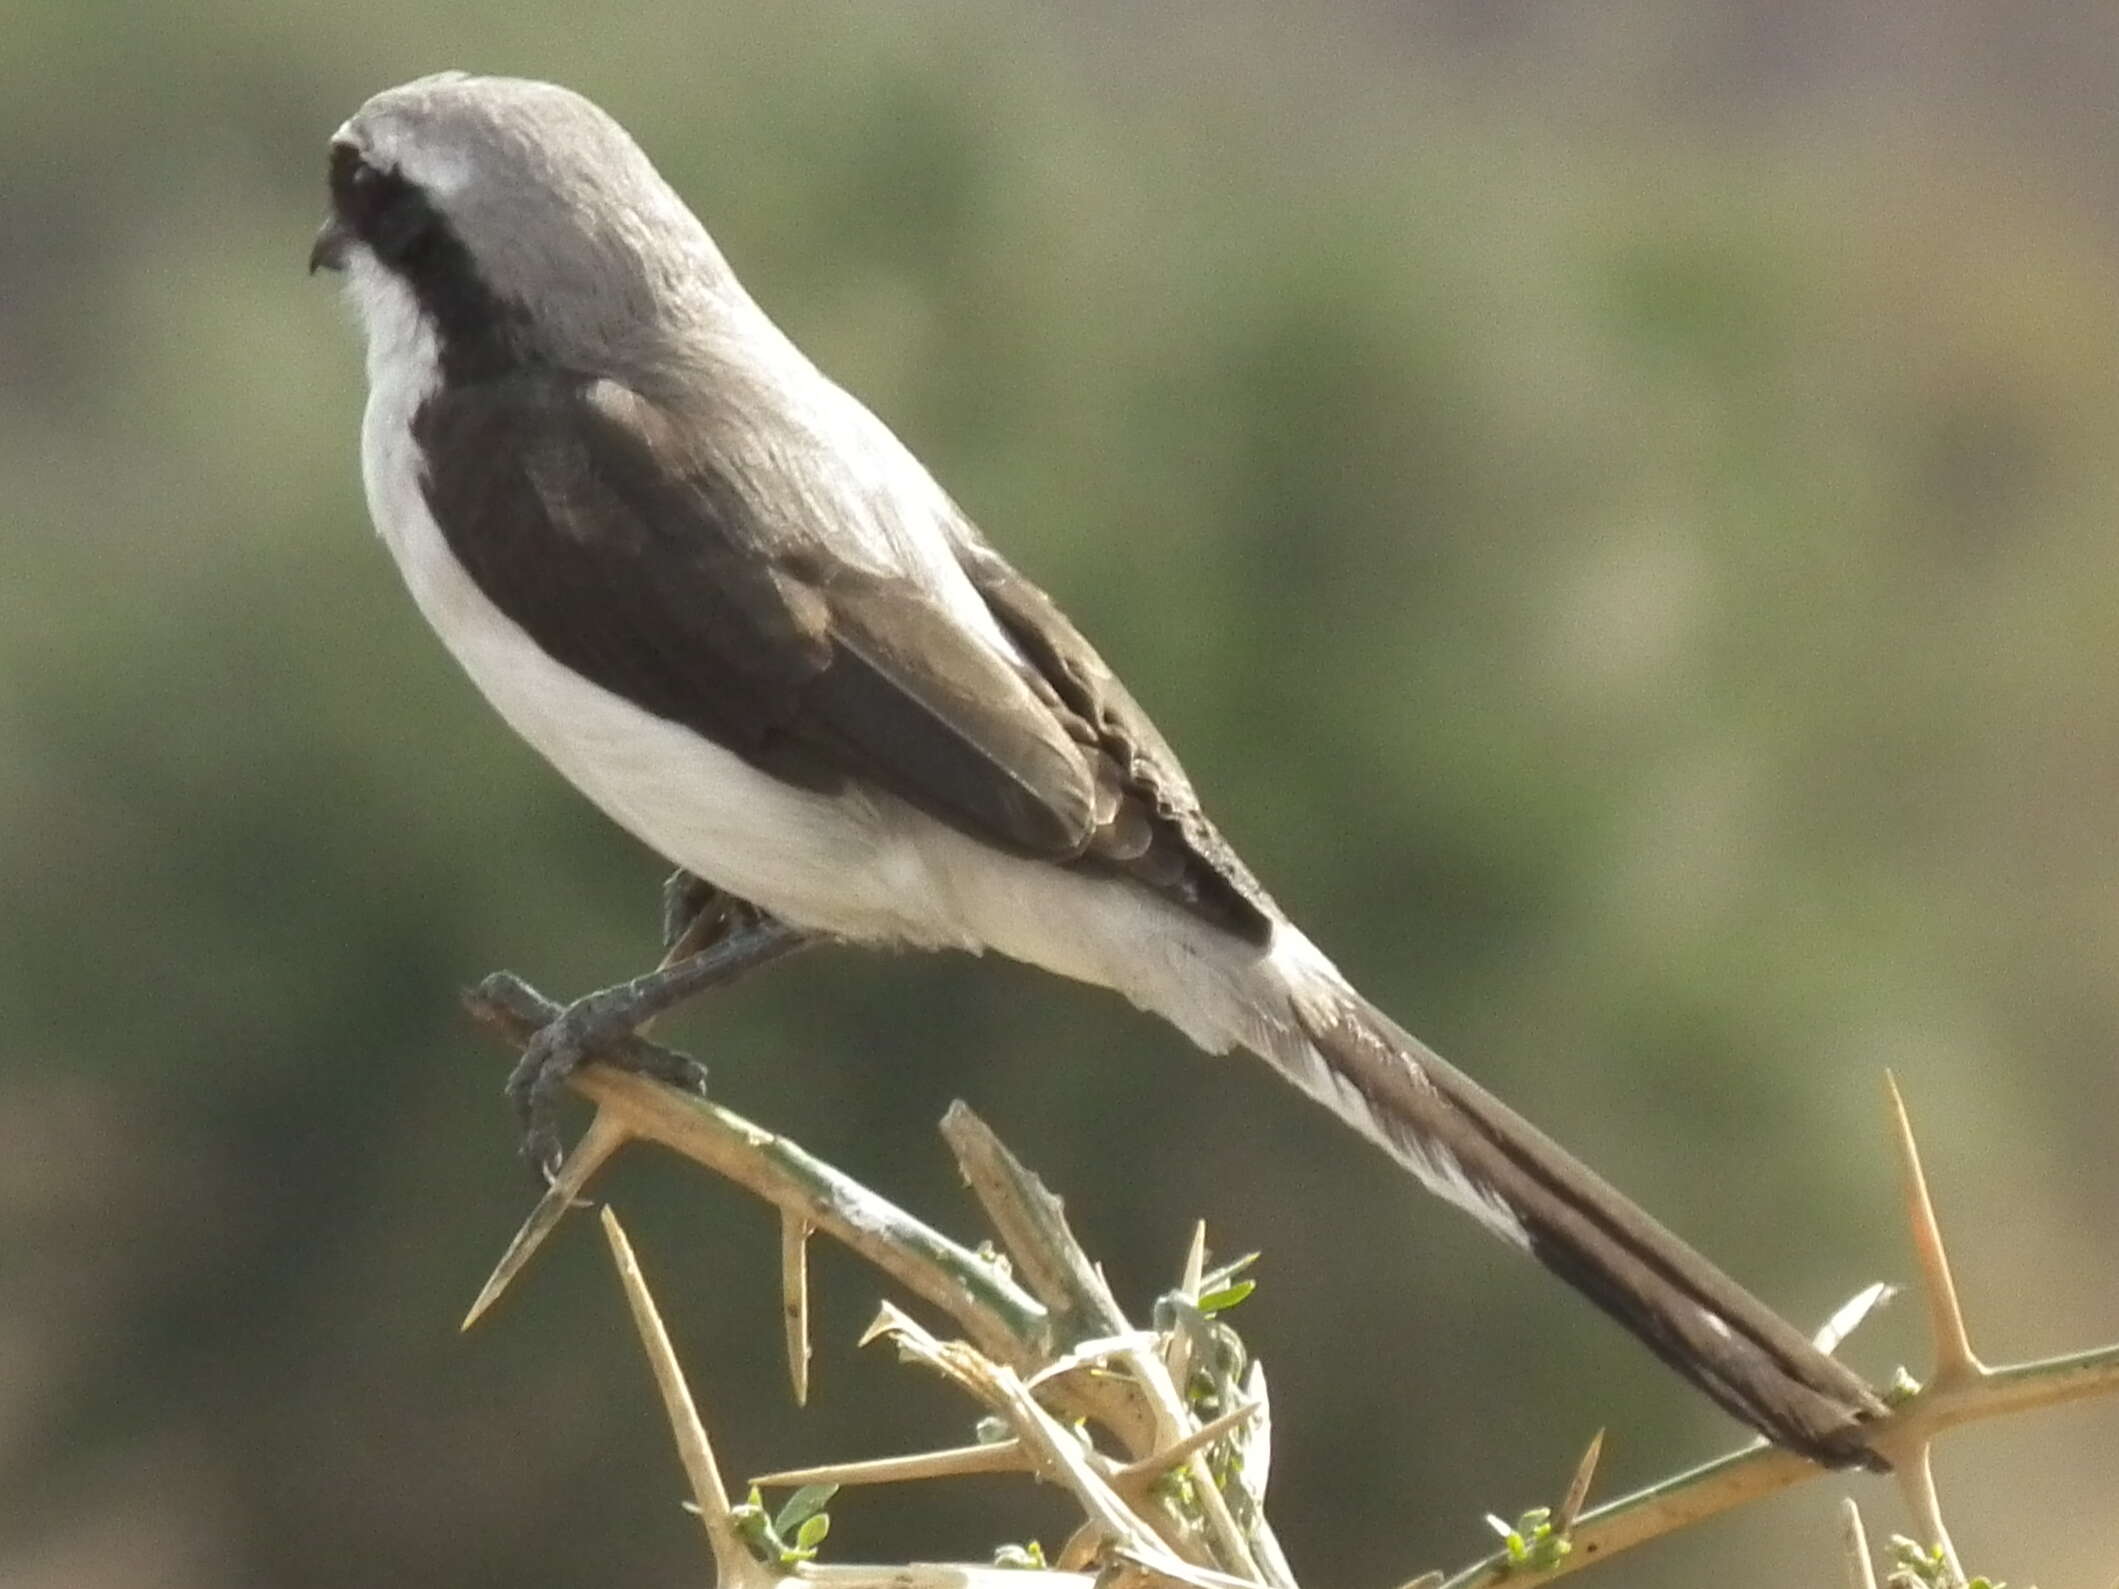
511	220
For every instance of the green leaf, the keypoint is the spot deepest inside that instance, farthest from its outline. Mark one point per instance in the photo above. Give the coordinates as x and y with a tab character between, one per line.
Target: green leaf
1530	1541
1215	1279
1227	1297
803	1505
1918	1566
811	1534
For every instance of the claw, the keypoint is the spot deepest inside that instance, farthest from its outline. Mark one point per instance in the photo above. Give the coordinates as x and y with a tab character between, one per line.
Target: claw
604	1027
533	1092
585	1028
594	1027
511	993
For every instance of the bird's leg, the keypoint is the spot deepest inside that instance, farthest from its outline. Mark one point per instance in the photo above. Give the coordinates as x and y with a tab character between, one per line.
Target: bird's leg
739	938
696	915
693	914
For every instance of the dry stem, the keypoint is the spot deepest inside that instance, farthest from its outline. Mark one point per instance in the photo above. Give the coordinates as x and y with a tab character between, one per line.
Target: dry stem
1060	1335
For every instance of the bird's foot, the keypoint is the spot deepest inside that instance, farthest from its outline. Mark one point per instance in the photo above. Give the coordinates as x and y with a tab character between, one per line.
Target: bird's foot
603	1027
596	1027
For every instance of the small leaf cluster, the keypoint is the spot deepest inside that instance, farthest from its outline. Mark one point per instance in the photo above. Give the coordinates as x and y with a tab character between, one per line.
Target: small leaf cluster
1918	1566
791	1535
1531	1542
1218	1357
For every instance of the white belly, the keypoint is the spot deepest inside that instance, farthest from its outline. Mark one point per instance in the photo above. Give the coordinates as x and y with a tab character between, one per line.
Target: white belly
824	861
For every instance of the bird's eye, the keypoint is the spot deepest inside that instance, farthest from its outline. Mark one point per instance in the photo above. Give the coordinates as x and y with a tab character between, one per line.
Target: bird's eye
384	210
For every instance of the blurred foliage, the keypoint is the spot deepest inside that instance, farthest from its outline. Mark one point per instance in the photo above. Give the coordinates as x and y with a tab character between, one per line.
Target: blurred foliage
1616	507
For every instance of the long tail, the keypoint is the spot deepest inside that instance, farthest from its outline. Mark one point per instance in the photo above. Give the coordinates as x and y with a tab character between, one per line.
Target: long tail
1469	1147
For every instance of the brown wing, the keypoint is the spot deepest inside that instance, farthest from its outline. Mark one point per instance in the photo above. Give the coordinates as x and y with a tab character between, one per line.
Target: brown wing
642	568
1150	826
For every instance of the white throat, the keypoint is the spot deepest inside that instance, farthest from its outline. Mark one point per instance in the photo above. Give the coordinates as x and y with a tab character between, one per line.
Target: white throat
404	370
400	337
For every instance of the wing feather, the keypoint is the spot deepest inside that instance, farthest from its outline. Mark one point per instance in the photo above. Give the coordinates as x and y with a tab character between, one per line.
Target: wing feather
638	563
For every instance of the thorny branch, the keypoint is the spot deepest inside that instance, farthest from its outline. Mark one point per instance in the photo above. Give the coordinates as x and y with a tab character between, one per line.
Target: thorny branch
1055	1348
1959	1390
1057	1341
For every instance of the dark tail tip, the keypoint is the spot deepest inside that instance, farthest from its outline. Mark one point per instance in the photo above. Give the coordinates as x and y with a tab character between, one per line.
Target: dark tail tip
1709	1329
1808	1402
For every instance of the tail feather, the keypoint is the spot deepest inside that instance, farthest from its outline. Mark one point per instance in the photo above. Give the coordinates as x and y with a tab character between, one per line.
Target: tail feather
1472	1149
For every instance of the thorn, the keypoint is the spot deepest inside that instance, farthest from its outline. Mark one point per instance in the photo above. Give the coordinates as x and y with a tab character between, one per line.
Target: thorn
1854	1540
998	1456
606	1135
1954	1362
1916	1483
1257	1468
1177	1350
1090	1354
1851	1315
1195	1262
1153	1466
794	1300
1083	1544
1578	1486
731	1557
890	1319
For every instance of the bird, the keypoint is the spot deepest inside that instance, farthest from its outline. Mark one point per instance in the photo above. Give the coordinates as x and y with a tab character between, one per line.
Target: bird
727	603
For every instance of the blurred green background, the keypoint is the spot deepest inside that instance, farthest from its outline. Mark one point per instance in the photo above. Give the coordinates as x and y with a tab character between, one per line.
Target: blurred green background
1617	505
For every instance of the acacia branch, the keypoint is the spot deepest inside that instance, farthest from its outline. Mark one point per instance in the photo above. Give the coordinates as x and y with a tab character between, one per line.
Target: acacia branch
1062	1338
1001	1318
1960	1390
1058	1335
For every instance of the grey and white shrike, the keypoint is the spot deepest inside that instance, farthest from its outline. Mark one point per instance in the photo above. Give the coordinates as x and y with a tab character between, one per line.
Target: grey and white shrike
722	598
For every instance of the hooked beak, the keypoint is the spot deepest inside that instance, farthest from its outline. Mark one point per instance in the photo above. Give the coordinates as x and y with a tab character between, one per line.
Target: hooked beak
328	252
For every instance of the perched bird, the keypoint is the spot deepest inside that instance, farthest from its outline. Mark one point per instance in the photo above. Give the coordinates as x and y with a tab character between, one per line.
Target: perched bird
721	597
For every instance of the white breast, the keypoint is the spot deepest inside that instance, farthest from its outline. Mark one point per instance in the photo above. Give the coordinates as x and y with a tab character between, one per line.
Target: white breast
829	862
